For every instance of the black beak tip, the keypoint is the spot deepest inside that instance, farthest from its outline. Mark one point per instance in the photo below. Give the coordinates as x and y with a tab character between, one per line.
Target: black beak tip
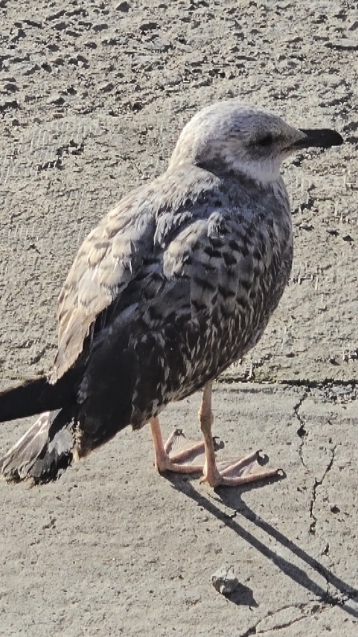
322	138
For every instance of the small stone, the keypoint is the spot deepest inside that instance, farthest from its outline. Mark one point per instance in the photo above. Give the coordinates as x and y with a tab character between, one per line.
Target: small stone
224	580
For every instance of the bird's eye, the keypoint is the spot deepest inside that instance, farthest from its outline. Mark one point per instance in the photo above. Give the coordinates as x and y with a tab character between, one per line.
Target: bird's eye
265	141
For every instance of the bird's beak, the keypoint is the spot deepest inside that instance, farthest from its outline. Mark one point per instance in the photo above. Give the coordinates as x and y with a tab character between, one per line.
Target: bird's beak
320	137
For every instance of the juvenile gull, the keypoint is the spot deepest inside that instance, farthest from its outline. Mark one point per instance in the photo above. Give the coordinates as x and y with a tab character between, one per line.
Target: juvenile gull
174	285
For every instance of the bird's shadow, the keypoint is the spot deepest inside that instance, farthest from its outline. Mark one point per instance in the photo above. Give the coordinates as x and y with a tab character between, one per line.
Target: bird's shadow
231	498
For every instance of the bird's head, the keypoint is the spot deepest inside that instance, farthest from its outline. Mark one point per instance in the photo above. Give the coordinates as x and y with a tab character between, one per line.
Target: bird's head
234	137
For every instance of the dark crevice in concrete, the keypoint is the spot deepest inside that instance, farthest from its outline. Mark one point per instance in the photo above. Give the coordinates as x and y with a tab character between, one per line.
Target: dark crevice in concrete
307	610
318	483
72	148
305	383
312	383
301	431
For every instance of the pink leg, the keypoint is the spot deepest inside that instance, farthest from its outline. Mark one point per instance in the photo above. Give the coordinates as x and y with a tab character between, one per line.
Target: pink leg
184	460
232	473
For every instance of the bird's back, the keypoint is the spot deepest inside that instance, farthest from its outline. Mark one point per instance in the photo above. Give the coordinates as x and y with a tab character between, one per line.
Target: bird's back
208	270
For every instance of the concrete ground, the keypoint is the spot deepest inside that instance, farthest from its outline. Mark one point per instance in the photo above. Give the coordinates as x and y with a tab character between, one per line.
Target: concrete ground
113	548
92	98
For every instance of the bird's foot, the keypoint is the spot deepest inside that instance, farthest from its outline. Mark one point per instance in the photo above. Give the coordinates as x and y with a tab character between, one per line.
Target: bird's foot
180	454
232	473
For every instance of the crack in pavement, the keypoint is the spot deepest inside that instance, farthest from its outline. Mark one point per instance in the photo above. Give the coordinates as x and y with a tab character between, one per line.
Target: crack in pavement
307	610
333	591
301	431
318	483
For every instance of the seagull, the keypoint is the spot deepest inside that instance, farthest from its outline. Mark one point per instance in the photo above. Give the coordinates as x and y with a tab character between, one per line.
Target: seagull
174	285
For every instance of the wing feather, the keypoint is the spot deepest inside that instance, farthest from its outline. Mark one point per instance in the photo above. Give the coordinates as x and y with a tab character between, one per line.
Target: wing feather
106	262
128	244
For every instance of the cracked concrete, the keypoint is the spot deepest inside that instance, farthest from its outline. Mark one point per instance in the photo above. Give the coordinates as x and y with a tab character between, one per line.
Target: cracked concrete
138	549
282	618
318	483
301	431
92	98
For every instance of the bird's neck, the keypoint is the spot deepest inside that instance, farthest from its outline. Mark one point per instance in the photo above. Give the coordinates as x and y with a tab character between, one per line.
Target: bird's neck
263	172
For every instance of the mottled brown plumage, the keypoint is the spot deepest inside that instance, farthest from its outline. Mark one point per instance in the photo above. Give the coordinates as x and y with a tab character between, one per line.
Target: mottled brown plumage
175	284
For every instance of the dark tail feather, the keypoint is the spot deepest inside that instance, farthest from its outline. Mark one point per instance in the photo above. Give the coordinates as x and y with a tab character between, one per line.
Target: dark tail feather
44	451
36	396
